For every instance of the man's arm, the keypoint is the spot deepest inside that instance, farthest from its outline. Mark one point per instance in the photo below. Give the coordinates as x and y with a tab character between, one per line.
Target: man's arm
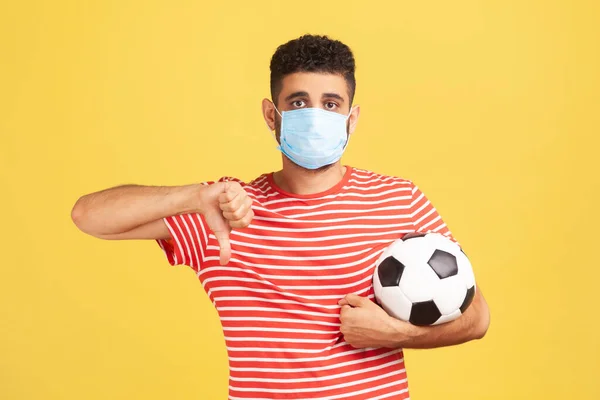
365	324
472	325
134	212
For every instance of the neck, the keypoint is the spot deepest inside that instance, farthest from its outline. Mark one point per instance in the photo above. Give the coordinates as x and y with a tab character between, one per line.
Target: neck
297	180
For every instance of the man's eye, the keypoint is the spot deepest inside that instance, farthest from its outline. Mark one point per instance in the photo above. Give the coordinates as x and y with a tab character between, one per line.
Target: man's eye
299	103
330	105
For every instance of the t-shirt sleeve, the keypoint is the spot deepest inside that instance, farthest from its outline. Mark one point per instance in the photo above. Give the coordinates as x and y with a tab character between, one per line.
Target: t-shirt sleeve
425	217
189	238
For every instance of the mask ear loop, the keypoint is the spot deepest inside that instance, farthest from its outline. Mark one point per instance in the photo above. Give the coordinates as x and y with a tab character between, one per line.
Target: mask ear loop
350	113
273	130
349	134
347	117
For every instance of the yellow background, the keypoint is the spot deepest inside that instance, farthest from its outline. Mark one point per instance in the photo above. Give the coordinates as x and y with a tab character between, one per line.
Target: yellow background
492	107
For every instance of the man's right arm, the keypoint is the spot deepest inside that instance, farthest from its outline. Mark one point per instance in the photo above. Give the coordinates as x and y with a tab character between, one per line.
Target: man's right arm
135	212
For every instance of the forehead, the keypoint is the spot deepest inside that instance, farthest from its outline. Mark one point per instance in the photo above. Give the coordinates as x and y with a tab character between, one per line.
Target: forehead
314	83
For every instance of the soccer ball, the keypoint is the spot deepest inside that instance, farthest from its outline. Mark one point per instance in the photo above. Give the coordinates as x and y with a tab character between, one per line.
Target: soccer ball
425	279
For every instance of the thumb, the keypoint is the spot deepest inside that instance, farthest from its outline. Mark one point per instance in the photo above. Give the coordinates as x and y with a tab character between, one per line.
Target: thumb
352	299
225	185
224	246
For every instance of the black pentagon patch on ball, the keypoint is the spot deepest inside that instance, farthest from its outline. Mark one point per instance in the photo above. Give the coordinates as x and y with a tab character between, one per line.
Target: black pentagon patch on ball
413	235
390	271
468	299
443	263
424	313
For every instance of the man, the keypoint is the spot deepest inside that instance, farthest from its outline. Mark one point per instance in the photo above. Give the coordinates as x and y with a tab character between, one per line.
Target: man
288	258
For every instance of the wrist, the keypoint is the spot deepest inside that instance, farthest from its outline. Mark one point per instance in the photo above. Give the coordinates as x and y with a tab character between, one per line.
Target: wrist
405	333
191	199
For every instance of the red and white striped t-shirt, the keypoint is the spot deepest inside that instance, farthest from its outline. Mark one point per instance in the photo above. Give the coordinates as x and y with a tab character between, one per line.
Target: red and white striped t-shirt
277	298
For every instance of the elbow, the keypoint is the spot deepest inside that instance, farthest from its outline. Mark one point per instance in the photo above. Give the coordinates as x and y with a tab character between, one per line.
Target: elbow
483	324
79	215
85	218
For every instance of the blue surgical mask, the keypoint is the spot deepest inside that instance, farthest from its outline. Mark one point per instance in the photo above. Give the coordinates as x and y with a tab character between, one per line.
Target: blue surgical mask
312	137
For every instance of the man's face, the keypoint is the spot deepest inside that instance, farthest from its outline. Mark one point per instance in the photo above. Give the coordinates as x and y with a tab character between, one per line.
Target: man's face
310	90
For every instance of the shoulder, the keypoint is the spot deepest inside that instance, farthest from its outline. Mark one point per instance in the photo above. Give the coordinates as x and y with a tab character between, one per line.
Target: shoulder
370	178
259	181
256	186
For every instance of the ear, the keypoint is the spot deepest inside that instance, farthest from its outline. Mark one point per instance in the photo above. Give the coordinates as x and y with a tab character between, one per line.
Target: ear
353	119
268	110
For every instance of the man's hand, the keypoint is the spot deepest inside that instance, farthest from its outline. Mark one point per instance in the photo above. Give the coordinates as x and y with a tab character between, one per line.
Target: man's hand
365	324
226	205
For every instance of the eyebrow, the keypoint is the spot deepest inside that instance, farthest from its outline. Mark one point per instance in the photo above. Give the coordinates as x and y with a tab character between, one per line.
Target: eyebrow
296	94
305	94
333	96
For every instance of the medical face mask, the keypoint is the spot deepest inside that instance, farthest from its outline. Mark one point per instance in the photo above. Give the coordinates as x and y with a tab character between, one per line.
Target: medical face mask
313	137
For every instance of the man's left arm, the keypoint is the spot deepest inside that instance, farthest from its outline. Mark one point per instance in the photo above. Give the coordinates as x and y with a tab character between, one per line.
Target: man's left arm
365	324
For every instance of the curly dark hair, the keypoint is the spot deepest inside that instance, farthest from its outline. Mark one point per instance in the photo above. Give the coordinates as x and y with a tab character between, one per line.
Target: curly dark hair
311	53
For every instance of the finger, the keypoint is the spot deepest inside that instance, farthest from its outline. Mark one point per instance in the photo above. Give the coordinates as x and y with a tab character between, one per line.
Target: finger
343	314
346	307
239	212
236	202
230	191
224	247
343	302
244	222
355	300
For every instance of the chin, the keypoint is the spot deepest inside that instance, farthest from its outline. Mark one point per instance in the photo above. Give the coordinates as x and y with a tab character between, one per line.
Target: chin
314	171
318	170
